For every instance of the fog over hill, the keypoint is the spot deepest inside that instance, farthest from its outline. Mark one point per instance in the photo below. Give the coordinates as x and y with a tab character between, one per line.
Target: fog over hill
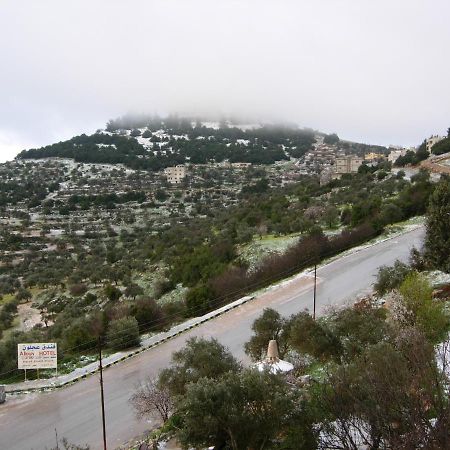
154	143
372	72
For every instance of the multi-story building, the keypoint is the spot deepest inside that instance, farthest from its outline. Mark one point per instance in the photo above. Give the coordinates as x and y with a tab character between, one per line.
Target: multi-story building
348	164
395	154
373	156
175	175
432	141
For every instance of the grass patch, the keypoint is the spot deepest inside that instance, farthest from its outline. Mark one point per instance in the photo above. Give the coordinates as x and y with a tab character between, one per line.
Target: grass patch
254	252
14	327
6	298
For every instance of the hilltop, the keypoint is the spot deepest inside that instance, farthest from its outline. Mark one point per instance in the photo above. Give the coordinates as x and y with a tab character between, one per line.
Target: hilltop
156	143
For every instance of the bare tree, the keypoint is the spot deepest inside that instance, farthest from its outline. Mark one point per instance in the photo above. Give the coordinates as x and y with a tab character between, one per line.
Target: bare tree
150	397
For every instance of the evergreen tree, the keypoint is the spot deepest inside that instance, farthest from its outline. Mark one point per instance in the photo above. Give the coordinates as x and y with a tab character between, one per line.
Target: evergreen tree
437	241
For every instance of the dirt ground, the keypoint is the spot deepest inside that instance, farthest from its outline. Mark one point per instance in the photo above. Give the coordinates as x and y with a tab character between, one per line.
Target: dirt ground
28	316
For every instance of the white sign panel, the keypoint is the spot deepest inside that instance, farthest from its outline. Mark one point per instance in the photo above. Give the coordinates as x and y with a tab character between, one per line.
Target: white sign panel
37	356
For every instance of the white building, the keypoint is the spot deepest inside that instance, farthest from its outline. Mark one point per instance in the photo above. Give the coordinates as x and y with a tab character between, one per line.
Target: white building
395	154
175	175
432	141
240	165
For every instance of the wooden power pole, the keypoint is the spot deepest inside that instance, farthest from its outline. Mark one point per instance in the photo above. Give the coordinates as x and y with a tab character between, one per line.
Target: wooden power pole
315	290
102	394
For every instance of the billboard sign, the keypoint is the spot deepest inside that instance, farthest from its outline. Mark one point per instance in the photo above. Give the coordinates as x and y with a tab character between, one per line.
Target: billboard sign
37	356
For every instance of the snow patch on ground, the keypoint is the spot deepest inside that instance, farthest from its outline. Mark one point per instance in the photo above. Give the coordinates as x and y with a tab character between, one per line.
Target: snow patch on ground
437	279
106	146
258	249
214	125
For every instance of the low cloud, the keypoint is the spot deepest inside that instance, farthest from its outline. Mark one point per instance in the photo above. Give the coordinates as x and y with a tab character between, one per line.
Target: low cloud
370	71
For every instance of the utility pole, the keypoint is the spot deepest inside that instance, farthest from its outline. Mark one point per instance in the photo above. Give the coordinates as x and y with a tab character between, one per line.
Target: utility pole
102	394
315	289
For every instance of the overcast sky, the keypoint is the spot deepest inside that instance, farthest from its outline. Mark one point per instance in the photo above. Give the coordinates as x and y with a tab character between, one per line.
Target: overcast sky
372	71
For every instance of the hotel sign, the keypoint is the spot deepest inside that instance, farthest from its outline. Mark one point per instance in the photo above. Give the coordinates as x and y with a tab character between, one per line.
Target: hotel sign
37	356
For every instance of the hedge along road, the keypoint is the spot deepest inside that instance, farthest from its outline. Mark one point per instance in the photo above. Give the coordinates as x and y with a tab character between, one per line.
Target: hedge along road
30	422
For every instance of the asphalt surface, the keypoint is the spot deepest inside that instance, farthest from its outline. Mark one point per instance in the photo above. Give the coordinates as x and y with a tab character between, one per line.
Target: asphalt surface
29	422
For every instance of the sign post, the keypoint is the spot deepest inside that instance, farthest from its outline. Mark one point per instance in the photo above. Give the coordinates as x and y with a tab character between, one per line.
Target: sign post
37	356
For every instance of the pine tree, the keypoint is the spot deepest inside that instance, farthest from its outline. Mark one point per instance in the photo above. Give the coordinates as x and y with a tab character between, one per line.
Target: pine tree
437	240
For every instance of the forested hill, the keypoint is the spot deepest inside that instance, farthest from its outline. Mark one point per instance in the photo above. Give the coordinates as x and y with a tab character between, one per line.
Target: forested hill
162	143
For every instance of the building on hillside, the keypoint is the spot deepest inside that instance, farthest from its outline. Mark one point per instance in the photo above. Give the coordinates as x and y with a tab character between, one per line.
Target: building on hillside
175	175
395	154
347	164
372	156
240	165
432	141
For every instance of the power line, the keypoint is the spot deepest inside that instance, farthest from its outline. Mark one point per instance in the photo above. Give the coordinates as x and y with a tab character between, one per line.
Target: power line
214	302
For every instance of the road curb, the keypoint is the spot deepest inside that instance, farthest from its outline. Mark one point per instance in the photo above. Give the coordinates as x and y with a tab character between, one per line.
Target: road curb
51	385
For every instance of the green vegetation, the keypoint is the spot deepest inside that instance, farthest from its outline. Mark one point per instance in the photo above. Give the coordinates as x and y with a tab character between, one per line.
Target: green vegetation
123	333
438	227
379	376
411	157
374	374
106	242
99	275
262	145
441	147
390	278
375	370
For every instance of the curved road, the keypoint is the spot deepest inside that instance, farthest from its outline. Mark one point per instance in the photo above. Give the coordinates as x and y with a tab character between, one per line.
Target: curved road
30	422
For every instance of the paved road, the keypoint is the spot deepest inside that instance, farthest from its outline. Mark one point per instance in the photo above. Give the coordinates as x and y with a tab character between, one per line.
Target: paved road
74	411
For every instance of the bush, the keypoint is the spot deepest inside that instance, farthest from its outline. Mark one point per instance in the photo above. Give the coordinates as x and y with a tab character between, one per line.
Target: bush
7	313
441	147
123	333
163	286
175	310
112	293
24	294
78	289
391	277
198	300
148	314
314	338
358	327
426	313
270	325
78	336
89	298
199	358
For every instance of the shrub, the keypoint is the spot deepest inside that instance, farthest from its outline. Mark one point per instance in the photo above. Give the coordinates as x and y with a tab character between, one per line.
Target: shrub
78	289
163	286
112	293
148	314
313	338
391	277
78	336
427	314
123	333
198	300
270	325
